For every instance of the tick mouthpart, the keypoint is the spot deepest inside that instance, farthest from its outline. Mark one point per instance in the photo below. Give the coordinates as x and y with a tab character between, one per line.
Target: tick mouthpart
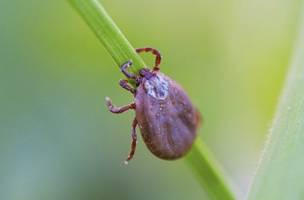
146	73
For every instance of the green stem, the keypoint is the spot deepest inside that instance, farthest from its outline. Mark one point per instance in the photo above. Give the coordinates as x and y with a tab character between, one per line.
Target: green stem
280	174
108	33
208	172
200	159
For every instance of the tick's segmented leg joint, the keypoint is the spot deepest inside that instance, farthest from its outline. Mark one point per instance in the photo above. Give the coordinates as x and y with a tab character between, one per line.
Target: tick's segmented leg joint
154	52
125	84
117	110
134	141
124	68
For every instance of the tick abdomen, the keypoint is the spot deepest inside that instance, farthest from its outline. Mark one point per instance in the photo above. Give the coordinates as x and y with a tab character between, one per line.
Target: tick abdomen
166	117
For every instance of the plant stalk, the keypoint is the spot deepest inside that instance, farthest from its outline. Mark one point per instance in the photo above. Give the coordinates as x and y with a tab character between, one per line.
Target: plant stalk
108	33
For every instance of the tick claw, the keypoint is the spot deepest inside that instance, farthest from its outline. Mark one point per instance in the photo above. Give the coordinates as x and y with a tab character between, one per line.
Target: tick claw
107	99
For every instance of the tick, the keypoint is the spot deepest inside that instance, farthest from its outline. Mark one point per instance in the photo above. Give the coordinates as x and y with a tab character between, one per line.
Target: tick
167	119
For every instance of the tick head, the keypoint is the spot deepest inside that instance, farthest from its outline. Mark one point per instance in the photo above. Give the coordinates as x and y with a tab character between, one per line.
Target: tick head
146	73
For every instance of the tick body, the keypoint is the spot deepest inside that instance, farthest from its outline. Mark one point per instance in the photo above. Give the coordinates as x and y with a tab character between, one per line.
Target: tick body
165	115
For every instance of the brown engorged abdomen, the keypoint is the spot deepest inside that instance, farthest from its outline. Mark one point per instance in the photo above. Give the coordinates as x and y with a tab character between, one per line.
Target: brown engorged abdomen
168	126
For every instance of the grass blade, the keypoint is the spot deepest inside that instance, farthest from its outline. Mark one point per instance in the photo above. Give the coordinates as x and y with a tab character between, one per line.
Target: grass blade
280	174
208	172
108	33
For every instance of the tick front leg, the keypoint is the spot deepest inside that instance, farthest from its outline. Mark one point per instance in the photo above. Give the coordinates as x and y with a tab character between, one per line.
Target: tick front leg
124	68
154	52
134	141
117	110
124	84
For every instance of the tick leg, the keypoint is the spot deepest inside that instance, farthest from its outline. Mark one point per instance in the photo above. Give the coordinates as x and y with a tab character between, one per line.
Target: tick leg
124	84
121	109
124	68
154	52
134	141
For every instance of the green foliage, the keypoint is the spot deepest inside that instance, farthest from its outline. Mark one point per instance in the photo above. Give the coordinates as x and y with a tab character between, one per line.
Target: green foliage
207	171
108	33
280	174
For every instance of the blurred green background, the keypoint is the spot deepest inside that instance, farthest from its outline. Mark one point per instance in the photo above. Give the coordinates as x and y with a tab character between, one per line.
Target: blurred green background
57	139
